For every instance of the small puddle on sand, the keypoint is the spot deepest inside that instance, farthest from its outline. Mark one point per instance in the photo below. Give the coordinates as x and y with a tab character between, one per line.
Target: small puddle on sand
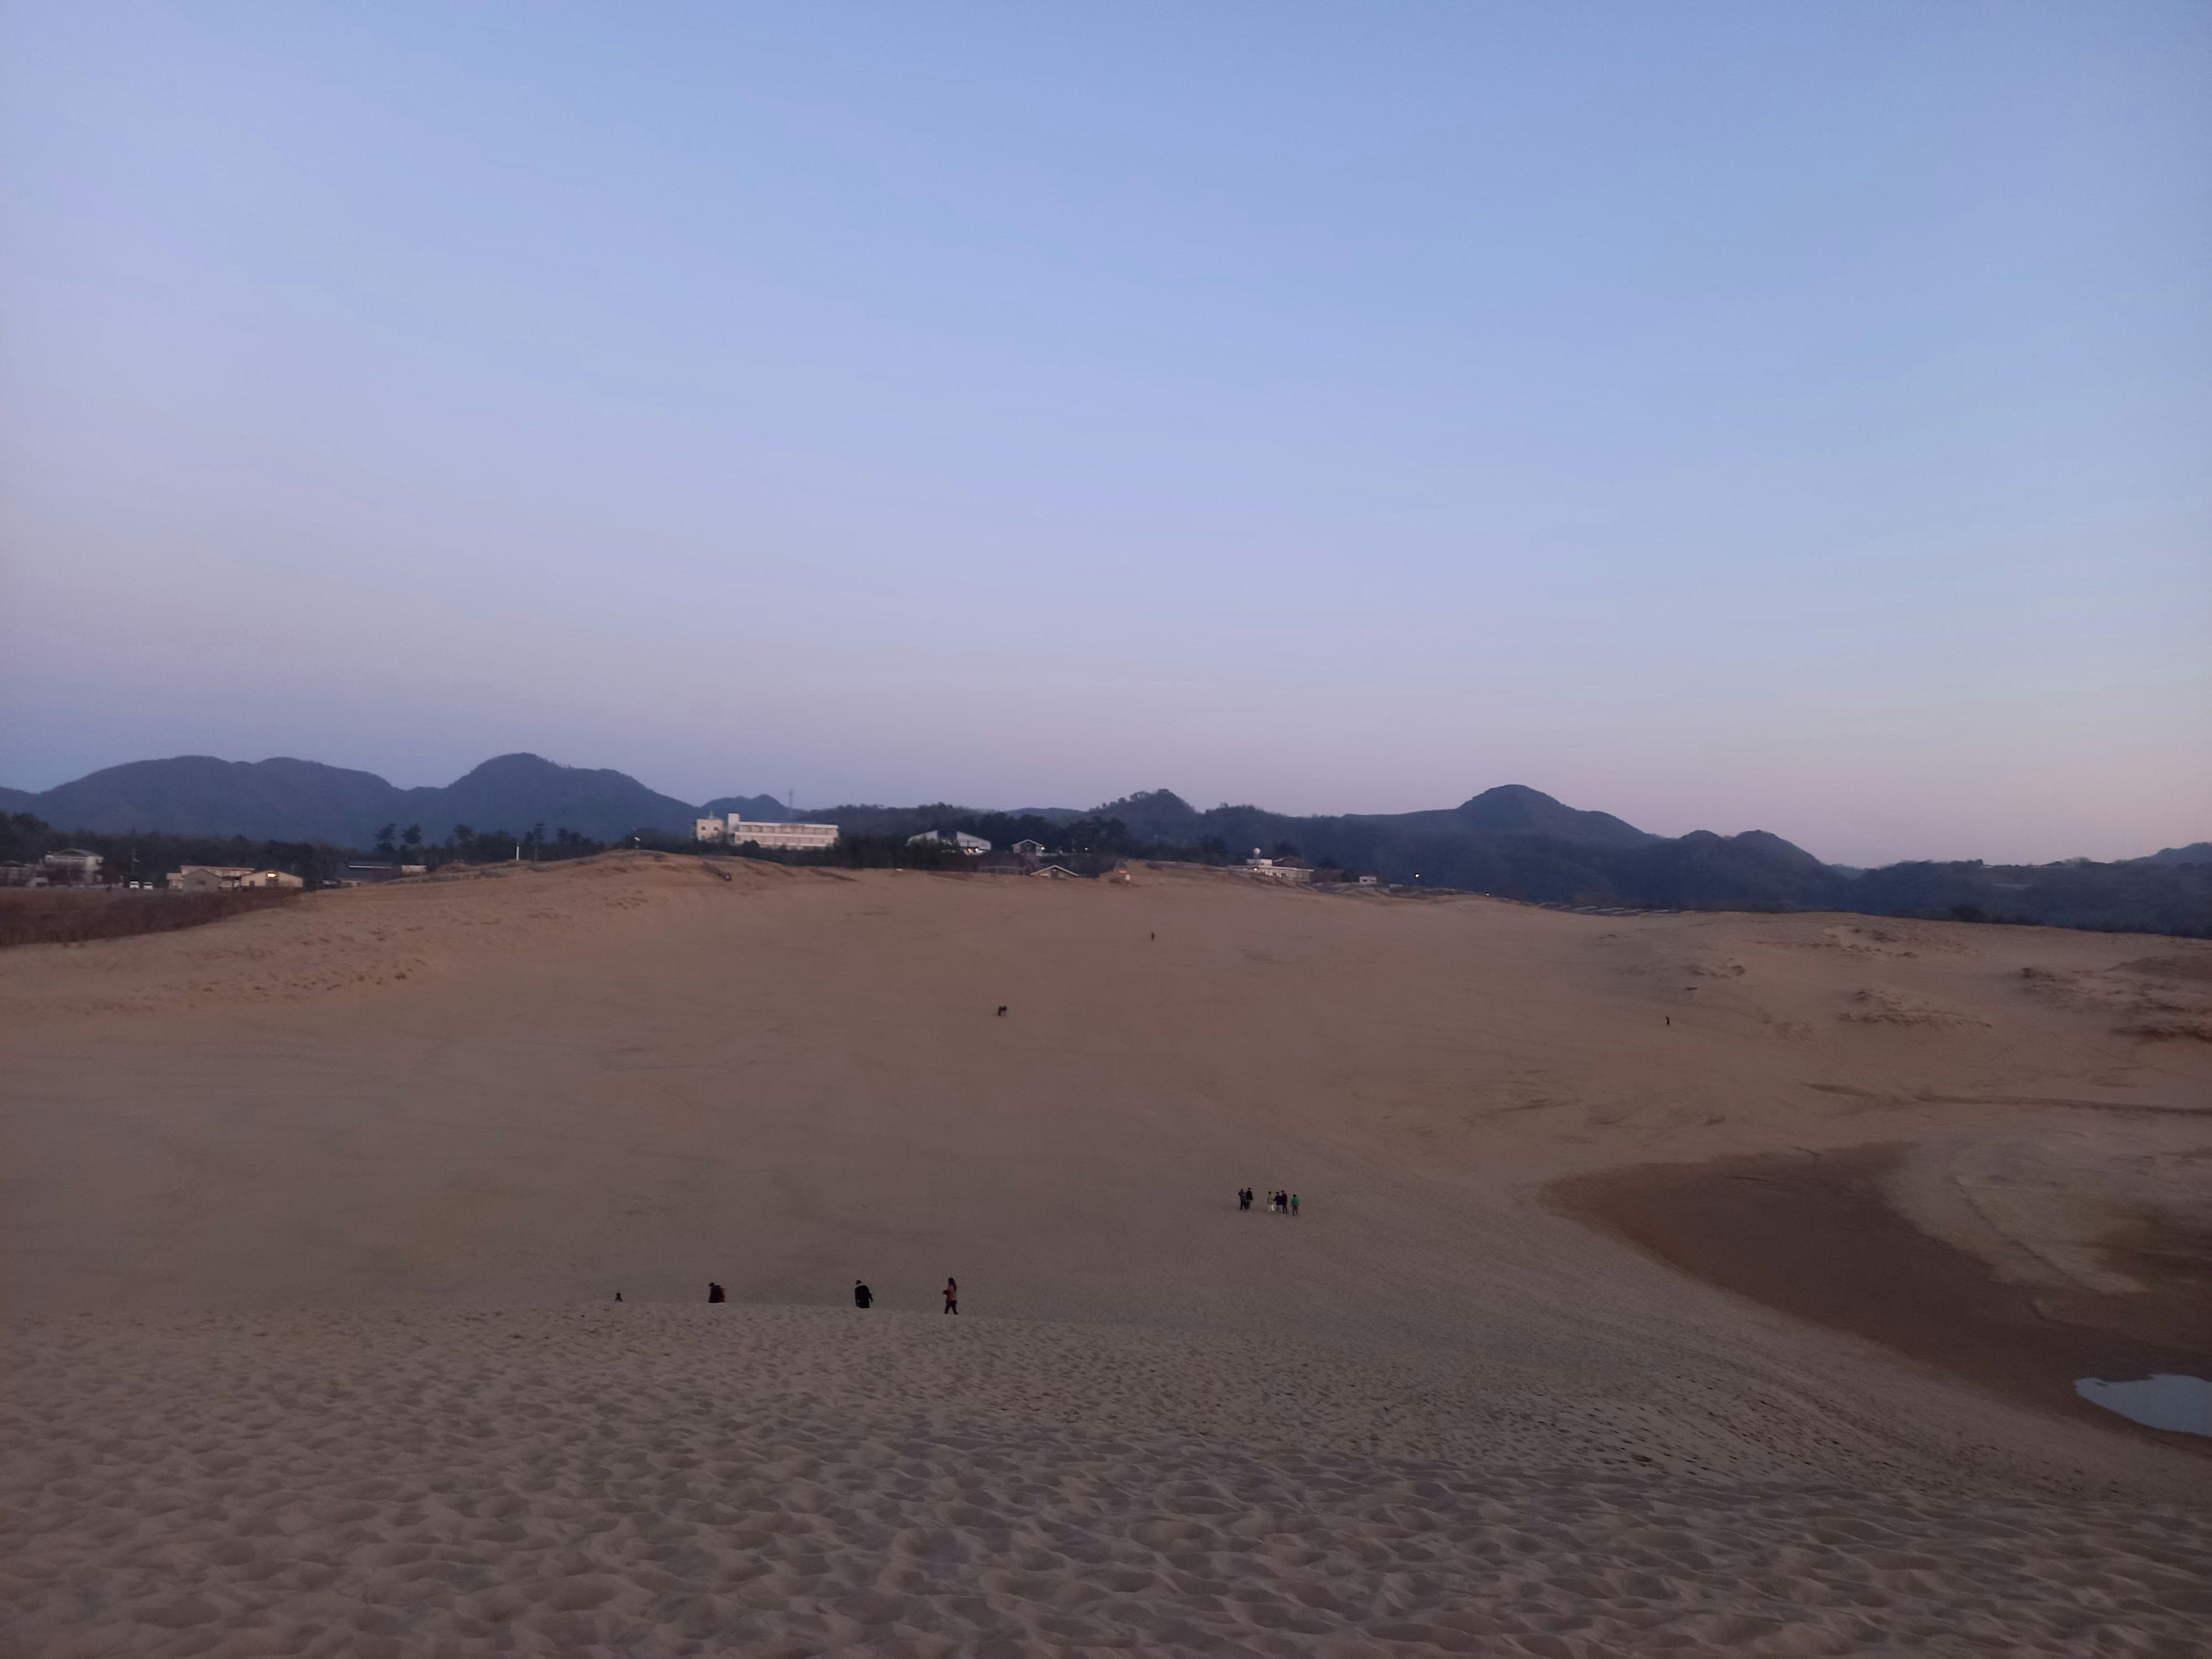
2163	1400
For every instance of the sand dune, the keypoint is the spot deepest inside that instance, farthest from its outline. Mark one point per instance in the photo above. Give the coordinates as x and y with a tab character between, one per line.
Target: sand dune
313	1219
741	1480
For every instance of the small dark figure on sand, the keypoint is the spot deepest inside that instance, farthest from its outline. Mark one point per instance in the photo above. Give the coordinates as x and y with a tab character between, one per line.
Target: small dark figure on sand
1294	1203
714	1292
1243	1198
1002	1010
617	1295
952	1295
862	1296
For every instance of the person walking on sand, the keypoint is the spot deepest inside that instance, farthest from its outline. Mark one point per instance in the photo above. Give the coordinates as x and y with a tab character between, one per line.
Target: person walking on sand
713	1292
1294	1203
952	1295
862	1296
1243	1198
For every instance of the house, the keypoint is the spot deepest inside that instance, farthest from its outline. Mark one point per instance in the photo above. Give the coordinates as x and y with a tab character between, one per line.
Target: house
207	877
1029	849
231	877
72	866
1276	869
973	846
735	831
1056	872
22	875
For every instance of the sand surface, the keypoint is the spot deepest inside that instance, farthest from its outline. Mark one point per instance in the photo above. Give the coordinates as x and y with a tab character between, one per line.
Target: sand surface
313	1222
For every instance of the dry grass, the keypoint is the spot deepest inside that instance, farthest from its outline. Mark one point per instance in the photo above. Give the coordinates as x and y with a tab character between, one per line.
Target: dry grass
44	915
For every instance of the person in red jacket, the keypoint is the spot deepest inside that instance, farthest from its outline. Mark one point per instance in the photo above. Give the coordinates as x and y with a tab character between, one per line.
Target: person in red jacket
952	1295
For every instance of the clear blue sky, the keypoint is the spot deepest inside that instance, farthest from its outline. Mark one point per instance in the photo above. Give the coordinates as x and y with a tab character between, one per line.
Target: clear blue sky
1790	417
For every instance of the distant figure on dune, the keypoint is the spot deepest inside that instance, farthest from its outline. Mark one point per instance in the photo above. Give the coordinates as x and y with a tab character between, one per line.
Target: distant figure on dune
617	1295
714	1292
952	1295
1294	1203
862	1296
1002	1010
1243	1198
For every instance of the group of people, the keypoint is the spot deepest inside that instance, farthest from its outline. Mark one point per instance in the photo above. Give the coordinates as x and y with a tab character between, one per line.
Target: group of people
865	1298
1278	1203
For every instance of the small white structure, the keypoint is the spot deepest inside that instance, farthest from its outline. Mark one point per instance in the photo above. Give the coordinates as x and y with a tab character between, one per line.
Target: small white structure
973	846
1276	869
1029	849
794	837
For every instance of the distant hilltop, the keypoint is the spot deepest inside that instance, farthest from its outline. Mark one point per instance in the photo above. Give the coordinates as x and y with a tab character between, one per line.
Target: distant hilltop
285	799
1510	839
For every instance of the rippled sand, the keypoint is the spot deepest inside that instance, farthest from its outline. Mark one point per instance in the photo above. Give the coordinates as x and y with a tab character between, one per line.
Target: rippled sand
742	1480
313	1221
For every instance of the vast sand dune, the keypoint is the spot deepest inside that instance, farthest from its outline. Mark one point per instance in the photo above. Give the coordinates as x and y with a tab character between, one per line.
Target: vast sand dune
313	1222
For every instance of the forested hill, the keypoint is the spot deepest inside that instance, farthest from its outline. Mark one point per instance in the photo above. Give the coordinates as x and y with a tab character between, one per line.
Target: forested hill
1520	842
286	800
1510	839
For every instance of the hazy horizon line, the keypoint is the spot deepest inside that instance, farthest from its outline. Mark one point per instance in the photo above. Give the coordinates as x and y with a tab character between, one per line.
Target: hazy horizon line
1036	804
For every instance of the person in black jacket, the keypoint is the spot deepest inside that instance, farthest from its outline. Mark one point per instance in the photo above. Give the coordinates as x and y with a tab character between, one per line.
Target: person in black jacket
714	1292
862	1296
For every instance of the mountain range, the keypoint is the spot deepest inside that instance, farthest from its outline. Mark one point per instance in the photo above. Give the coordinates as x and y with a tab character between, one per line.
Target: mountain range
287	800
1509	840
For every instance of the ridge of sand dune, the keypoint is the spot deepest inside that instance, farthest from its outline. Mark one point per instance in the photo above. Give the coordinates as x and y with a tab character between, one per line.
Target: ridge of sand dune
352	939
276	1213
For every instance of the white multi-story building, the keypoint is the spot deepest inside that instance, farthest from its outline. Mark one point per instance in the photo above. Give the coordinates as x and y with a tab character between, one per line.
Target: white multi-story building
72	866
795	837
1275	869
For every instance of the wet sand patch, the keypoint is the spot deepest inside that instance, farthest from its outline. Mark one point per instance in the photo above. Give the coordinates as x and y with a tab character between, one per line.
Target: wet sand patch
1814	1236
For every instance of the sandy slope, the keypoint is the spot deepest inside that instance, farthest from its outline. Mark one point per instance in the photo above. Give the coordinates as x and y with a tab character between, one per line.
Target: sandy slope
283	1195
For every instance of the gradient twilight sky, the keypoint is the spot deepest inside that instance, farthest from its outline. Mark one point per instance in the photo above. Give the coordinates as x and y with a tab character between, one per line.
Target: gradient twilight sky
1796	417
